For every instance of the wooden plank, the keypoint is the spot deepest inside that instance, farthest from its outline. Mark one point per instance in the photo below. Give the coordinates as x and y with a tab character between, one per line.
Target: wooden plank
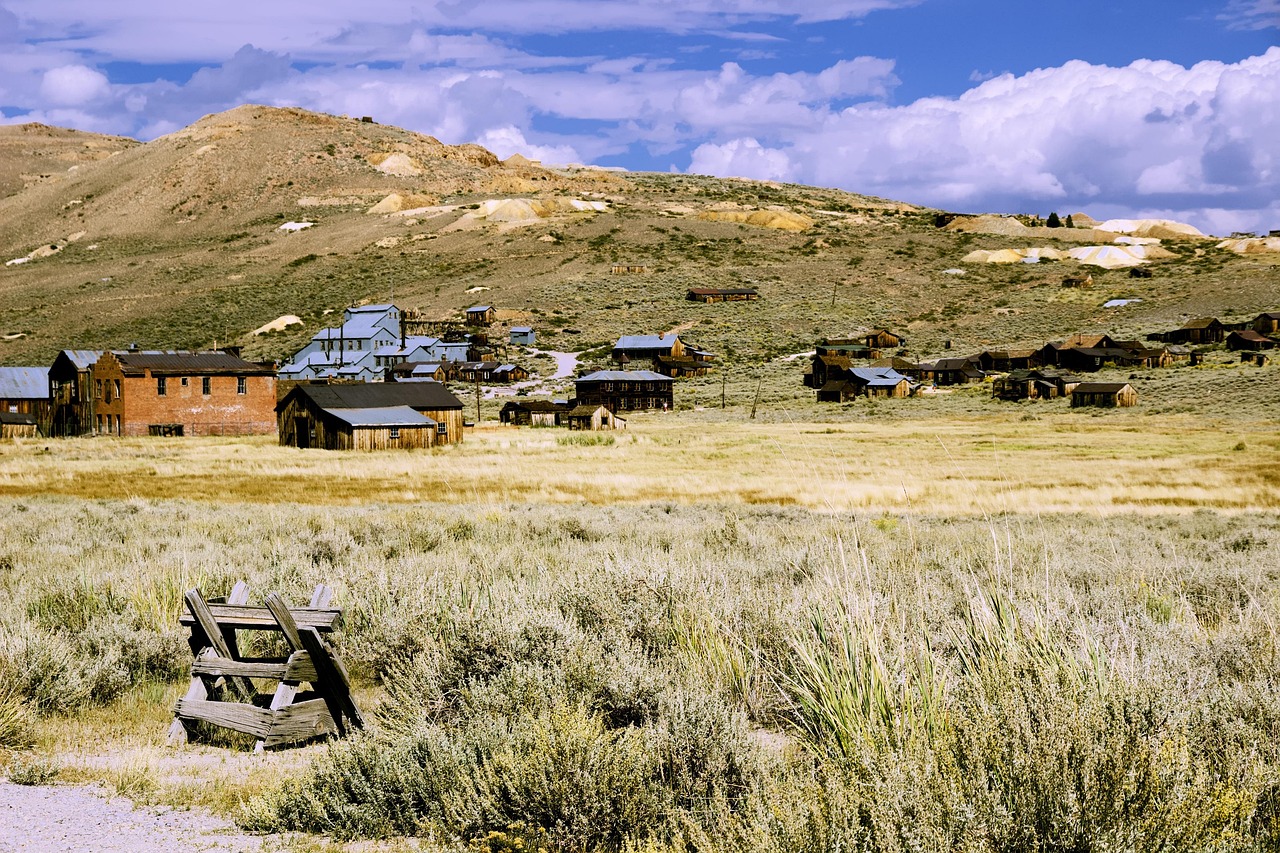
250	618
303	721
236	716
239	595
297	668
280	612
178	733
332	683
321	597
213	633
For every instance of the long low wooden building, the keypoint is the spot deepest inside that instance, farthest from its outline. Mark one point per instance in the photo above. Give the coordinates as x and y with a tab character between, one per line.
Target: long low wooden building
373	416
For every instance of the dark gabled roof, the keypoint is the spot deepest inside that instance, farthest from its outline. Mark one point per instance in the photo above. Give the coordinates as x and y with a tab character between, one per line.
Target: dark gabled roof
1246	334
1201	323
15	418
1100	387
953	364
378	395
1270	315
24	383
587	411
172	362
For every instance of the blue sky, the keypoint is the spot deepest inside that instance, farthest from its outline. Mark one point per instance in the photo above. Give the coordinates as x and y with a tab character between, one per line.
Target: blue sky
1140	108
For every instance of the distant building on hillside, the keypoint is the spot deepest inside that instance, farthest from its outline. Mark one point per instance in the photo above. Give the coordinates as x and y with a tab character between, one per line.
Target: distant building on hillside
365	345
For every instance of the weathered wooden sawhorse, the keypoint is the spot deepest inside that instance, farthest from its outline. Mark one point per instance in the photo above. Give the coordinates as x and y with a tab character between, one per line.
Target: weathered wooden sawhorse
222	691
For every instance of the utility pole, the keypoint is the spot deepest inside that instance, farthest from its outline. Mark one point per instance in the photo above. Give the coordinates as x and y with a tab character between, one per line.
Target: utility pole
755	403
477	399
723	378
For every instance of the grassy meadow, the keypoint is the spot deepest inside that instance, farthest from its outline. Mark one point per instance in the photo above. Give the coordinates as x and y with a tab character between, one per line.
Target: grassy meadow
950	625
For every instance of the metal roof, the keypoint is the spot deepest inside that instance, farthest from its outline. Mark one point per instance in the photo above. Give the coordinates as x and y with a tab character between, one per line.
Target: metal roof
479	308
878	377
83	358
177	362
391	416
521	329
624	376
643	342
26	383
379	395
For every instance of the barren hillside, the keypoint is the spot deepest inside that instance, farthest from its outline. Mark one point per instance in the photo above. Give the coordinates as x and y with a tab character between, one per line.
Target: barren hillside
35	153
211	232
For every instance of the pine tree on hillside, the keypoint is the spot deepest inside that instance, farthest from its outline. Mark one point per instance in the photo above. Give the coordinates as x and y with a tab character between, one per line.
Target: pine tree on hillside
1054	221
1069	223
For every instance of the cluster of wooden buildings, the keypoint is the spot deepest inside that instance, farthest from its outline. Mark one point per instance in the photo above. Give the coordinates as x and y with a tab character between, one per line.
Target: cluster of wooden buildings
1047	372
662	353
598	400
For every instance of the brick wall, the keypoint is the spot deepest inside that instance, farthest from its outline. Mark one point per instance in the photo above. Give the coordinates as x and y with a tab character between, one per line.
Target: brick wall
223	411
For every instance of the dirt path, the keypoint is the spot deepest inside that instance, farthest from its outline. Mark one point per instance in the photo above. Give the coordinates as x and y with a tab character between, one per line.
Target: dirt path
566	364
78	817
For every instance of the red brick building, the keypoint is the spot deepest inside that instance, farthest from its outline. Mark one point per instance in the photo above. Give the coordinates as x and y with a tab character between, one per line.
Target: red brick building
182	393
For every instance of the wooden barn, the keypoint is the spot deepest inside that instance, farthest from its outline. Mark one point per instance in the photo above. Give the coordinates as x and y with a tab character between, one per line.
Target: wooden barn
1000	361
533	413
593	418
722	294
16	425
952	371
370	416
882	339
1107	395
1205	330
864	382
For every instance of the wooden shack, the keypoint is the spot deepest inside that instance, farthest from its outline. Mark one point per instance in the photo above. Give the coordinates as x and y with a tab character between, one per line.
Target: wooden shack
369	416
17	425
481	315
1249	340
1267	323
533	413
593	418
722	294
25	391
1078	281
1107	395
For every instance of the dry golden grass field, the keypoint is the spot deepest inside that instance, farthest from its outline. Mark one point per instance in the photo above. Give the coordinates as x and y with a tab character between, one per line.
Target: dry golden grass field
973	465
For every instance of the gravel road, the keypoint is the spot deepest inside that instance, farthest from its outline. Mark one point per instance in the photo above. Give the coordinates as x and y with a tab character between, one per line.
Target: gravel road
83	818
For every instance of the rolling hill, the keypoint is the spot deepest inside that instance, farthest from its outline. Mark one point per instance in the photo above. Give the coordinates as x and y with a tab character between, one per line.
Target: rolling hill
179	243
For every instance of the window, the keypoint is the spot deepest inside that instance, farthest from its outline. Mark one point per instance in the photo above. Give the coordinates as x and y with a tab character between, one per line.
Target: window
242	385
395	432
442	428
206	385
116	382
160	383
184	382
97	389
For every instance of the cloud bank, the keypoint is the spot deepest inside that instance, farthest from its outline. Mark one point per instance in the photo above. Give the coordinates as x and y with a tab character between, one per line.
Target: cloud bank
1150	138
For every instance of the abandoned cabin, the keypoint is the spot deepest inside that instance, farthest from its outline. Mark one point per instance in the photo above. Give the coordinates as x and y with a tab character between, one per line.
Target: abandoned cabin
1250	340
906	367
1038	384
1205	330
588	417
1267	323
17	425
845	348
522	336
953	371
422	371
824	368
1078	281
625	390
1001	361
1107	395
533	413
481	315
865	382
25	391
177	393
722	294
370	416
666	354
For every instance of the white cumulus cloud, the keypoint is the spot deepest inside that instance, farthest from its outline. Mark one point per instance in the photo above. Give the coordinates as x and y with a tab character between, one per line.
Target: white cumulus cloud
72	85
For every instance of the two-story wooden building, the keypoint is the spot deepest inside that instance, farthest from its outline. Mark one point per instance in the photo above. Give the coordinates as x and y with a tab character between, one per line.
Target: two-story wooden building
71	392
625	390
153	392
